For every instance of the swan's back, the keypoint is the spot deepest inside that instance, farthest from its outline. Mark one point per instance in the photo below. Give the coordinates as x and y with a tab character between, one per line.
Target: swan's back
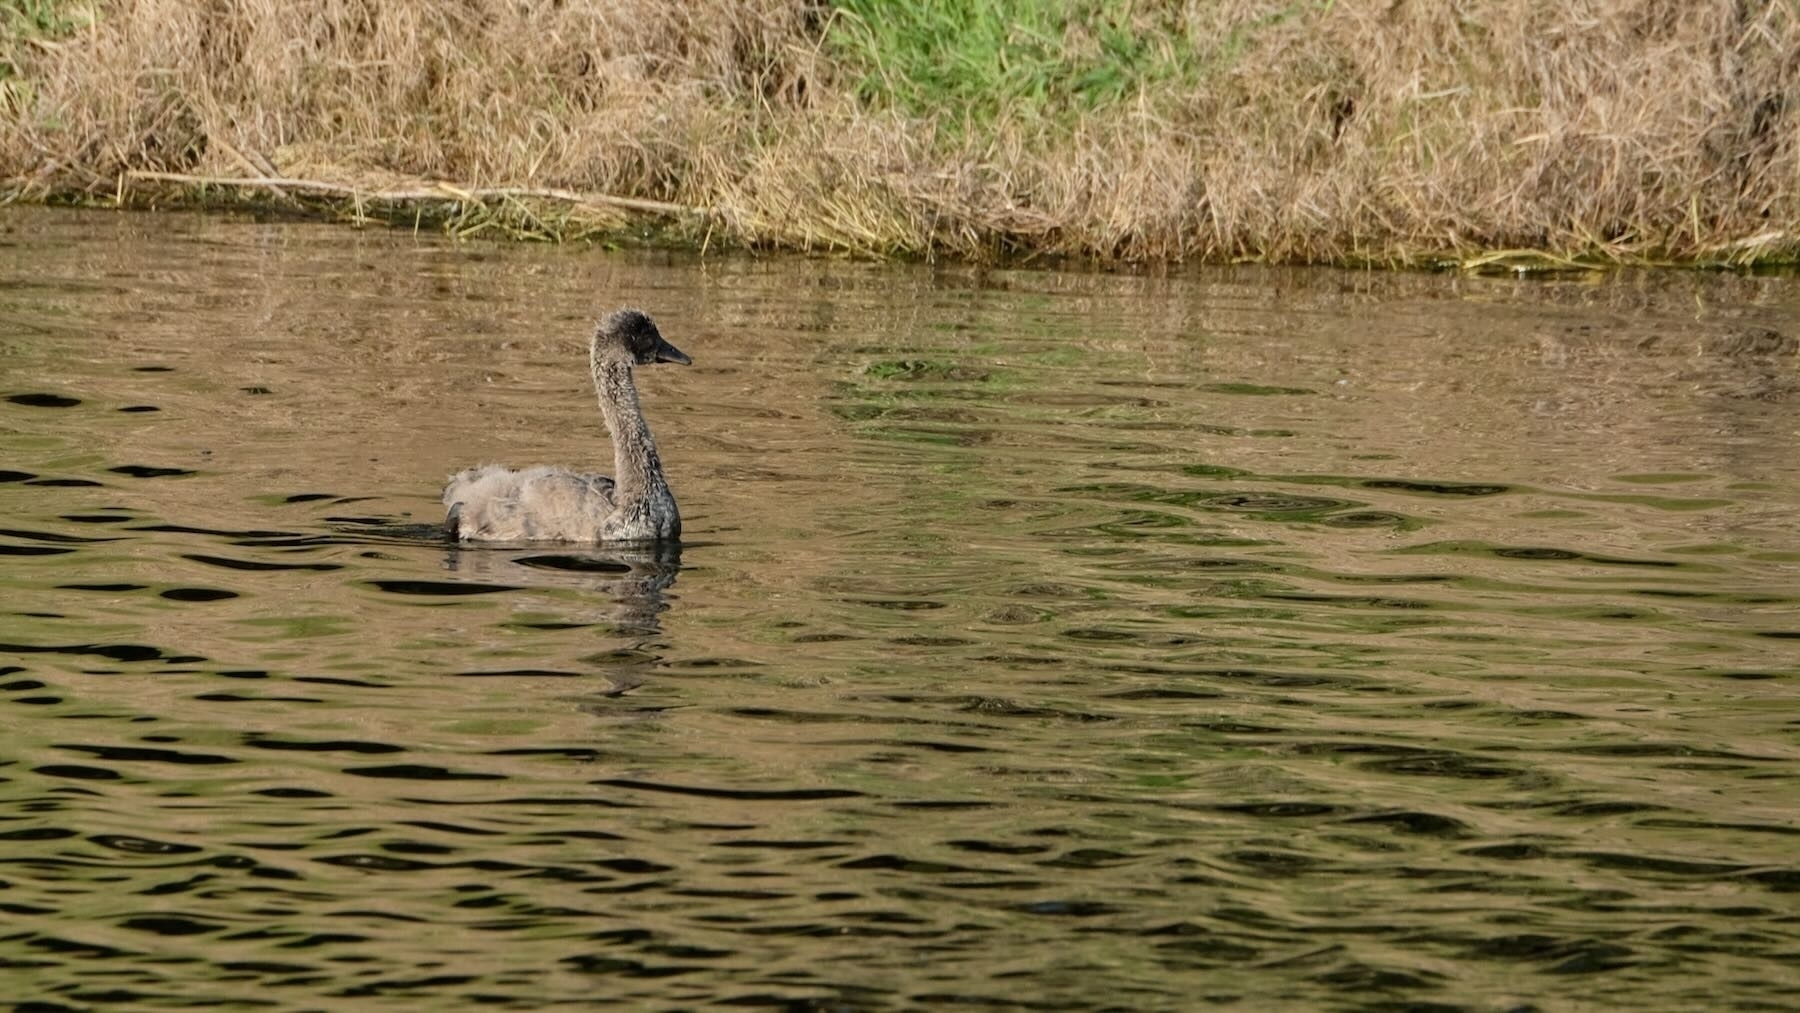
496	504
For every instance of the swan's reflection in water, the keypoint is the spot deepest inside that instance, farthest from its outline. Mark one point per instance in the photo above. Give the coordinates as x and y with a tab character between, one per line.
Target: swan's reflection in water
625	587
634	580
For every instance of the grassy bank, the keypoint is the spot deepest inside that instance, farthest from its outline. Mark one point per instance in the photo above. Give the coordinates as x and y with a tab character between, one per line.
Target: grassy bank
1385	131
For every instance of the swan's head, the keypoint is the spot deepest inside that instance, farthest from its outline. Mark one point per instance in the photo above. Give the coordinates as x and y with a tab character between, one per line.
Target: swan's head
630	335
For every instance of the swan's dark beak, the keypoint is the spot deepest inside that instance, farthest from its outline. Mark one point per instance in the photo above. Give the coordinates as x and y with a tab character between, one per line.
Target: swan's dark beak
666	352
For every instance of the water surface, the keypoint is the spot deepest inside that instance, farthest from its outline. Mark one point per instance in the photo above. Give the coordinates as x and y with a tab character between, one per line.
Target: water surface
1277	639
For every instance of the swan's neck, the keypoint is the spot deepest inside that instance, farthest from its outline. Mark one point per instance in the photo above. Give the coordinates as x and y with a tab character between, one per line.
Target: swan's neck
636	468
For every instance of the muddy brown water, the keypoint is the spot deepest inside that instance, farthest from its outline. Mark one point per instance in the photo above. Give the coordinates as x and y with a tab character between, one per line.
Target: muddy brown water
1277	639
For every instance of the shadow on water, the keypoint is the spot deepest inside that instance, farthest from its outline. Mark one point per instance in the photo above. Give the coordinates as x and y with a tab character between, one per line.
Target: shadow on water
629	571
1258	638
635	581
632	580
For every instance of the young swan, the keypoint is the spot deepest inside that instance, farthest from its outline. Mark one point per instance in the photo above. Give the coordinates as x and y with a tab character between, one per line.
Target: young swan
549	504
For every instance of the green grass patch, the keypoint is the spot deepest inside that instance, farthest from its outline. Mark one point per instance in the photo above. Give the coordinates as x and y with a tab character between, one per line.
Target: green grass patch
44	19
22	21
974	62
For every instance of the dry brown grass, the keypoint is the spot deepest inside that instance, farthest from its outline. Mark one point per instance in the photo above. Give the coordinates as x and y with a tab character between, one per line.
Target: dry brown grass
1387	131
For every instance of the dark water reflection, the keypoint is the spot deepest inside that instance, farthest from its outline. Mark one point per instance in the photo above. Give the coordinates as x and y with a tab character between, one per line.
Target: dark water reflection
1277	639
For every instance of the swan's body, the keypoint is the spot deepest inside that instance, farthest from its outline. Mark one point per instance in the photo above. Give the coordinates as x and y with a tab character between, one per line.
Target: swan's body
492	503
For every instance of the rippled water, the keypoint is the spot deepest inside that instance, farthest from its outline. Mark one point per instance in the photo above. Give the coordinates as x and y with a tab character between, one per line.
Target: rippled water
1060	641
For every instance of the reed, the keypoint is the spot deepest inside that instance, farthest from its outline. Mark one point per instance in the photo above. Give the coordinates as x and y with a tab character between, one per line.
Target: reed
1488	133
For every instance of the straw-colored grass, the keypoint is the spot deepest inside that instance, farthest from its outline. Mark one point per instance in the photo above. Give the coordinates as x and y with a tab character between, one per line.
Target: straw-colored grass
1384	131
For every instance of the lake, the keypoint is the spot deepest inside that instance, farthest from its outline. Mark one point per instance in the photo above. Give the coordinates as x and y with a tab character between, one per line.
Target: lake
1039	639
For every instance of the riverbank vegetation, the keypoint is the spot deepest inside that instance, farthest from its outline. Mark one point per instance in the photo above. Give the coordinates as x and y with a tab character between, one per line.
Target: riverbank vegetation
1337	131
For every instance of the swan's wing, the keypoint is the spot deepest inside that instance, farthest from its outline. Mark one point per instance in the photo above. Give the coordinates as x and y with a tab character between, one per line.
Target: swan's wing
496	504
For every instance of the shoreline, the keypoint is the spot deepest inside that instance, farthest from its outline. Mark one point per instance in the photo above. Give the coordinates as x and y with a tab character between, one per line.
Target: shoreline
1499	137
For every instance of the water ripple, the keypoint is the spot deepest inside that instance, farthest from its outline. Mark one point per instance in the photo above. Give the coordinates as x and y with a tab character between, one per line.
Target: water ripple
1054	641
